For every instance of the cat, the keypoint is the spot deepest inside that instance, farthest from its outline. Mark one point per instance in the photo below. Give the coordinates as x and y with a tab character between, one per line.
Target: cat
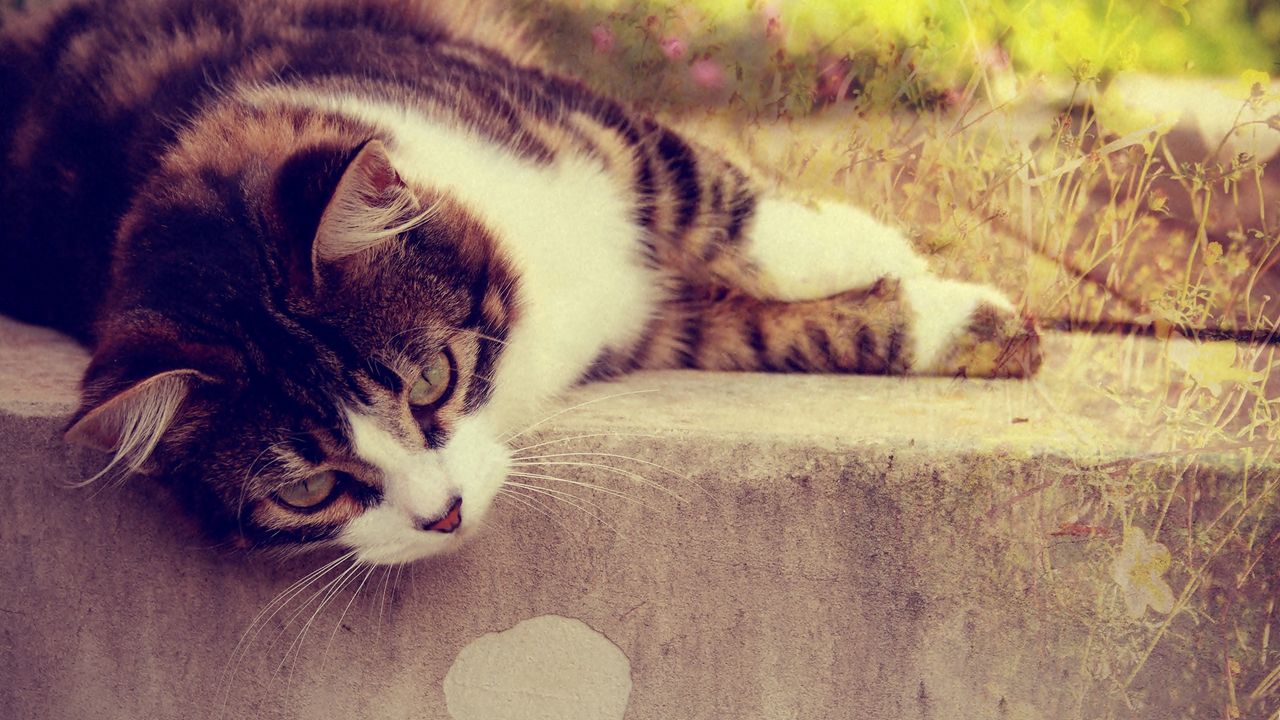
328	253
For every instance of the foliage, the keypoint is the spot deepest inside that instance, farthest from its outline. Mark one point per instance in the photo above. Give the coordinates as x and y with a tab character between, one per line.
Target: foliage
1055	36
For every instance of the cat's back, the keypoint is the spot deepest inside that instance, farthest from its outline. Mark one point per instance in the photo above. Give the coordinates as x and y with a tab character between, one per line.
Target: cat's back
96	90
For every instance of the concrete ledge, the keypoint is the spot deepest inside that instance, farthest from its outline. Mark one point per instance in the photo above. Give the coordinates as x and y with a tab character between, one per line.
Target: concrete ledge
843	547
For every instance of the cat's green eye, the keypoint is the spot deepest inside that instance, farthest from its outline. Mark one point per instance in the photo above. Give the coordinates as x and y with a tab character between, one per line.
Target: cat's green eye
309	493
434	383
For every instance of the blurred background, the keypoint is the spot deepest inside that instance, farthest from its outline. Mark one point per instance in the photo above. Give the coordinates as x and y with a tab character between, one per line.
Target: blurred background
926	44
920	47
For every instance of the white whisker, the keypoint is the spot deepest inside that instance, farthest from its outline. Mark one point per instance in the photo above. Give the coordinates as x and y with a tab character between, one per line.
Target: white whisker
564	498
478	334
582	437
517	497
619	471
325	657
382	604
325	594
589	486
259	621
579	406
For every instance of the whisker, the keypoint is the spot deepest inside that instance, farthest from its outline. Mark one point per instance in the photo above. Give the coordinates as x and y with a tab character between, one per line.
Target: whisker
579	406
302	636
423	330
325	657
260	621
597	488
386	580
581	437
477	333
420	332
250	475
289	593
564	498
515	496
244	488
619	471
324	593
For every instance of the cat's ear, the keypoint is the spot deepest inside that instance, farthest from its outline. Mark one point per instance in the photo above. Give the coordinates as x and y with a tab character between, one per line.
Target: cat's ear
130	422
370	206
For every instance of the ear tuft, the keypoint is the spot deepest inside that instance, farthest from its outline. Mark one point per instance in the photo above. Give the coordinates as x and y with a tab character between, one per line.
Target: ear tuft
370	206
131	423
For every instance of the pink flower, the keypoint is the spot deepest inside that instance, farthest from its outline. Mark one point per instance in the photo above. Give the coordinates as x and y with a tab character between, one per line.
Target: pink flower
832	76
953	97
707	73
772	14
673	47
602	39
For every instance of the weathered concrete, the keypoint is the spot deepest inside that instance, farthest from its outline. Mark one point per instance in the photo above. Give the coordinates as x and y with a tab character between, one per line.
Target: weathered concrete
842	547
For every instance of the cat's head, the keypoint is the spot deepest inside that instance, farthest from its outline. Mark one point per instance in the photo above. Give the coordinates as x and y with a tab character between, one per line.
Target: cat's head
303	349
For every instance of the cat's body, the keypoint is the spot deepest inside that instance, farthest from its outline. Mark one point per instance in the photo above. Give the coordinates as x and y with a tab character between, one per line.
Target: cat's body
329	252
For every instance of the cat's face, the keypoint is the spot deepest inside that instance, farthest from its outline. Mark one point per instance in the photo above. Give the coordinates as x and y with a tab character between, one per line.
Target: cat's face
387	459
334	396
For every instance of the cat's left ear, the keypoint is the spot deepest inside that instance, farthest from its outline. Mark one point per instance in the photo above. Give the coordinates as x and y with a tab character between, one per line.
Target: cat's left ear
130	422
369	208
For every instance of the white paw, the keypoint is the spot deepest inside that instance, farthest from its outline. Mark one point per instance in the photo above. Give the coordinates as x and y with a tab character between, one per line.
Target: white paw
809	253
942	312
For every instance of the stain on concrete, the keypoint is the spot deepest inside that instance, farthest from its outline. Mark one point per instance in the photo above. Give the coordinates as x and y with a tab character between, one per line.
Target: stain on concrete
544	668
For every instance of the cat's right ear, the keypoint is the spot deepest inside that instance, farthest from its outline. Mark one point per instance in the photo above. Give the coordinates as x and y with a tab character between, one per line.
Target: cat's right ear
370	207
130	422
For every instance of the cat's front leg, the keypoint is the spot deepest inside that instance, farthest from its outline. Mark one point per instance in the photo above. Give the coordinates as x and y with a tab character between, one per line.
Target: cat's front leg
805	252
968	329
798	251
713	228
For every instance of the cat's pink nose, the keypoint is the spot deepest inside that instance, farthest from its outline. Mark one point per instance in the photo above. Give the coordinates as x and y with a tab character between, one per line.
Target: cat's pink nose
448	522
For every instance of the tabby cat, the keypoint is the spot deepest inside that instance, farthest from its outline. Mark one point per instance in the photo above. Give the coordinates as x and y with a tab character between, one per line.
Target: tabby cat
328	252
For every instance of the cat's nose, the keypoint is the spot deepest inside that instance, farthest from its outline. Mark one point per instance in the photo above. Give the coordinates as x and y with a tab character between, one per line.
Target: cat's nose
446	523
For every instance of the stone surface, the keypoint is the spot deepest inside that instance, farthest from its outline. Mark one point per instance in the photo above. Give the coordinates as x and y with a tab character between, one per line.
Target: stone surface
775	547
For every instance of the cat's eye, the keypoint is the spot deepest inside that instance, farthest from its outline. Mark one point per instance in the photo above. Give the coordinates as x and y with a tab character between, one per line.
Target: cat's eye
310	493
433	386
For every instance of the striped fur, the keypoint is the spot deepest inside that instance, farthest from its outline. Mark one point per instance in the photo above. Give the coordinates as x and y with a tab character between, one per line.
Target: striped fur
269	218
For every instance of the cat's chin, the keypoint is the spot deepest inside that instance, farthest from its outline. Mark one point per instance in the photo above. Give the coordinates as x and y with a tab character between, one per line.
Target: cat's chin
399	553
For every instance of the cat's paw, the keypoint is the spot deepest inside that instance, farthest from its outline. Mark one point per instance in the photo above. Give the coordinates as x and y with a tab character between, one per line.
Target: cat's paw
995	344
969	330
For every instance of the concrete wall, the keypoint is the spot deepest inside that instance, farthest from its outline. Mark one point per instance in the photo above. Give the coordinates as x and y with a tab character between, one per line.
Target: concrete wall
842	548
